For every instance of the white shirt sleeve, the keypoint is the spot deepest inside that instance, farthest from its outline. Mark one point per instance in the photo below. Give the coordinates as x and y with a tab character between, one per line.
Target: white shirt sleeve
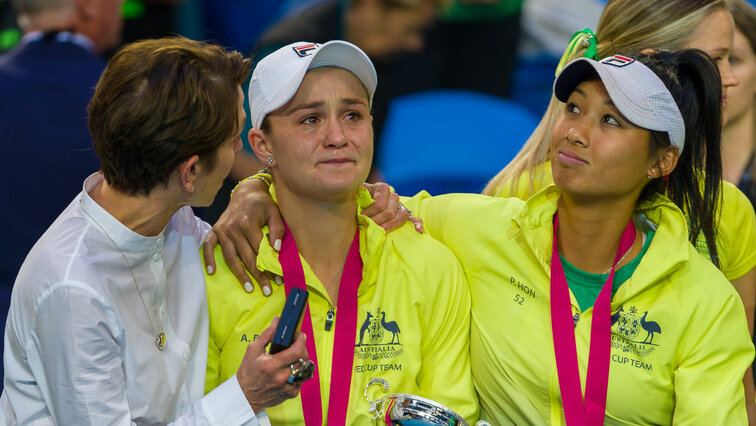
227	405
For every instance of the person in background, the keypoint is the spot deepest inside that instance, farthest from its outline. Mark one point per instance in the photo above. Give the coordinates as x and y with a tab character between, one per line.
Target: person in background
10	33
457	53
394	307
547	26
739	145
46	82
108	321
150	19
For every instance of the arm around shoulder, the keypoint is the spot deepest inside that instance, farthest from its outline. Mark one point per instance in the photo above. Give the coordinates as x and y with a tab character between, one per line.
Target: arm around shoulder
462	221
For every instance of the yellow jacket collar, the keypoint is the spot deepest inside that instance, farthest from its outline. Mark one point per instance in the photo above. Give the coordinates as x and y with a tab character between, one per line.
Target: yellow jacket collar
372	238
669	247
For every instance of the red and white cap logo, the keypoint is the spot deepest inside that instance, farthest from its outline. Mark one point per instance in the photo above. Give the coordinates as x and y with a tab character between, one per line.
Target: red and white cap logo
618	61
305	49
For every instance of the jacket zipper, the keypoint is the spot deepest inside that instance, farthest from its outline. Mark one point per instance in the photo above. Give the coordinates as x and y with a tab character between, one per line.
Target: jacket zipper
329	320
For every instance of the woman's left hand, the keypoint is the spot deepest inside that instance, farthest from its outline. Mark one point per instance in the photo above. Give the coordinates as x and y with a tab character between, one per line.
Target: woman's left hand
387	211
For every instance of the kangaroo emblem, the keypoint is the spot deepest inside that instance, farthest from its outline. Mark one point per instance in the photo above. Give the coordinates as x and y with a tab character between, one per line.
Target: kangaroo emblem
615	316
365	327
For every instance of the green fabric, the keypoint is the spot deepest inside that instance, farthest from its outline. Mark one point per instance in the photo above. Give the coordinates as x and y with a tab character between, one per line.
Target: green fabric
458	11
586	286
9	38
132	9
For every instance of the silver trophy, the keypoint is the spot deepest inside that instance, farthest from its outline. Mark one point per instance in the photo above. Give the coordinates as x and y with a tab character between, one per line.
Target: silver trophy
405	409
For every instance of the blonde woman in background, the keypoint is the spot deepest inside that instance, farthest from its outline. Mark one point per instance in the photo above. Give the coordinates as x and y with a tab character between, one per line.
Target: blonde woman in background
739	141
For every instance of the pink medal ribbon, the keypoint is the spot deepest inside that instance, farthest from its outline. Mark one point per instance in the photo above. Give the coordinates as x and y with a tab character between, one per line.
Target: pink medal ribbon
344	334
576	411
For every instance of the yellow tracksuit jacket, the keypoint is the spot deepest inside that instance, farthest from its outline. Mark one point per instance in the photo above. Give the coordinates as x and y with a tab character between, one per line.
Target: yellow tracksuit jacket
413	323
680	344
736	222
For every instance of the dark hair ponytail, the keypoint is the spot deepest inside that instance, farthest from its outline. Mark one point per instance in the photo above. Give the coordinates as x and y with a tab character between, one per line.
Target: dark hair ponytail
693	79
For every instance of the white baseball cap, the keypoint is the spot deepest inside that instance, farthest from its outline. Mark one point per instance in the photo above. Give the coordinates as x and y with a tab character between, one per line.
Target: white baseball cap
637	92
277	77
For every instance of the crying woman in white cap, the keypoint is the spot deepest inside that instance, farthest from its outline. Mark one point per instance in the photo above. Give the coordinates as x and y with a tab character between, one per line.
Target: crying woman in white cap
371	316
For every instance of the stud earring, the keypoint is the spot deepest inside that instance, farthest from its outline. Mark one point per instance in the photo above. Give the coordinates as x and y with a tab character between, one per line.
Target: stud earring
269	160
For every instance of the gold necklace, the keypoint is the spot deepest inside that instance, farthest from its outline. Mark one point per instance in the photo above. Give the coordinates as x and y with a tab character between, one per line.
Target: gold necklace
160	337
624	255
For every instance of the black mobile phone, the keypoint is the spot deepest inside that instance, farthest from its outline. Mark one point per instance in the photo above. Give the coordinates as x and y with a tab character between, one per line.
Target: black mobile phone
290	319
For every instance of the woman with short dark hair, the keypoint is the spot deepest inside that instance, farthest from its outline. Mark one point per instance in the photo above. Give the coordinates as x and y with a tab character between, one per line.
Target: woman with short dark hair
108	321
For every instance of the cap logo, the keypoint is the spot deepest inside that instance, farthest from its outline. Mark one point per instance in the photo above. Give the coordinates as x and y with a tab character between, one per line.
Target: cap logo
305	49
618	61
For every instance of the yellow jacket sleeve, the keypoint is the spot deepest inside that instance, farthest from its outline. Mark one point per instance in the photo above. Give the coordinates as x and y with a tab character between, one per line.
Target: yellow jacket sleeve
222	292
708	385
212	374
736	233
445	371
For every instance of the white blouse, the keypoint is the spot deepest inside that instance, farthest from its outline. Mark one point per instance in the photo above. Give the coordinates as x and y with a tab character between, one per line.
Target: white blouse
80	341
